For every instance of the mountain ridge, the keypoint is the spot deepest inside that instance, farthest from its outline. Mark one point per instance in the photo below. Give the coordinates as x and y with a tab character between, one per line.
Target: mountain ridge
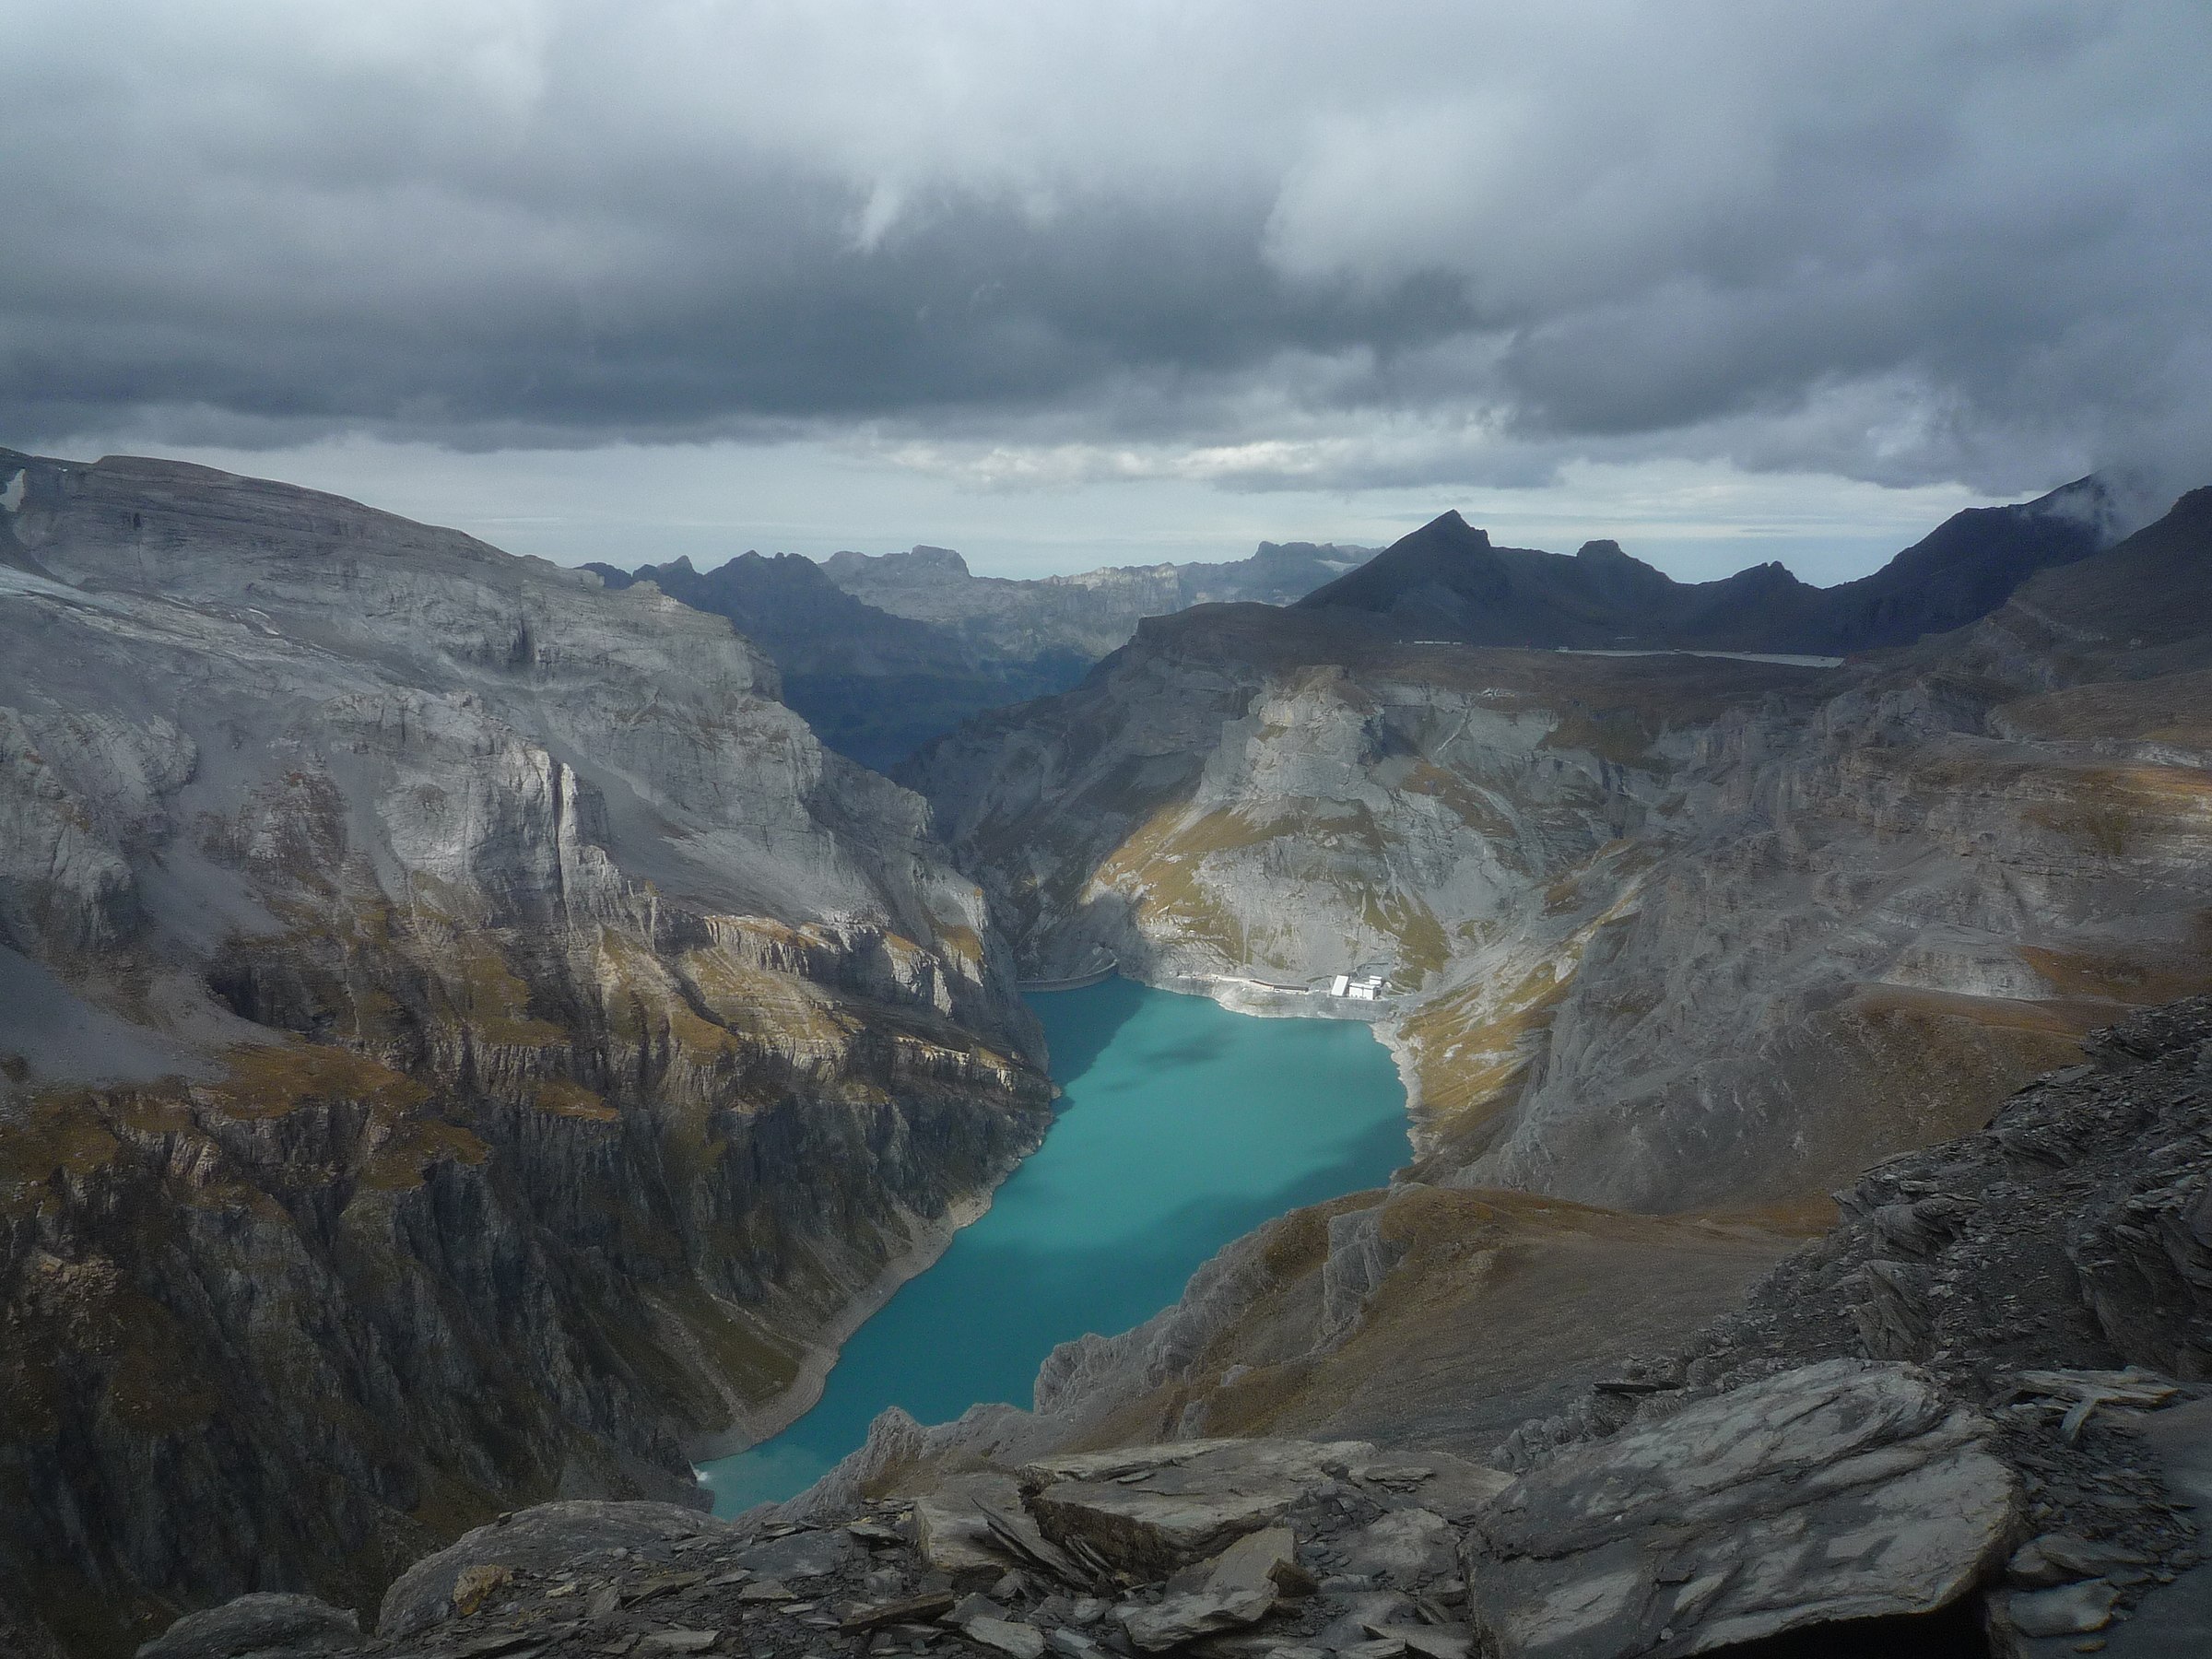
1449	579
463	1042
882	652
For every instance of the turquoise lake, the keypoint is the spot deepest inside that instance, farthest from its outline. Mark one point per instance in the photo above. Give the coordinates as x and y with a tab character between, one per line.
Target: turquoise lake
1181	1126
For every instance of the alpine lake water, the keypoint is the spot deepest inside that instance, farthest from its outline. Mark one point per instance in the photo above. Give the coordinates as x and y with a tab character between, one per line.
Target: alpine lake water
1181	1126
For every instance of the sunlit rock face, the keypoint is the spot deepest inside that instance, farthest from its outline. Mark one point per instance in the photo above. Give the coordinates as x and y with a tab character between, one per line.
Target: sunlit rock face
1664	933
463	1040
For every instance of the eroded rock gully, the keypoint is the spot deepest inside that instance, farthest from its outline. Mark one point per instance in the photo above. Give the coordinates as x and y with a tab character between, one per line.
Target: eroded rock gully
1803	1477
462	1042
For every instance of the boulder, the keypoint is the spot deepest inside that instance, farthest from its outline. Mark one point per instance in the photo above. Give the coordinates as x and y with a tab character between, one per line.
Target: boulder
1363	1612
1450	1486
1430	1642
2070	1611
1401	1549
1017	1639
259	1627
1242	1588
1848	1489
952	1532
1149	1511
548	1537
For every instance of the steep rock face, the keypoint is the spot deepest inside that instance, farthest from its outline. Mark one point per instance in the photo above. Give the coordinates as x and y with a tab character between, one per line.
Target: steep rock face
468	1041
1835	1493
1666	933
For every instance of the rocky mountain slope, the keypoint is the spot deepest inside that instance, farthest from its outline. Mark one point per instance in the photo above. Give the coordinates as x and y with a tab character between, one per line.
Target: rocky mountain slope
1666	933
1447	581
463	1042
1968	1420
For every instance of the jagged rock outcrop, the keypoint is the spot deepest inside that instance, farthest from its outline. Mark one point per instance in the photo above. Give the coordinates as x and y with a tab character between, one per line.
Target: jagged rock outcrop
460	1578
1844	1490
251	1626
468	1043
1848	1496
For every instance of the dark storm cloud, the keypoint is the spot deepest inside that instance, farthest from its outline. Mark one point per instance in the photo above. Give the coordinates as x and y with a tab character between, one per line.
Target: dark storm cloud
1340	244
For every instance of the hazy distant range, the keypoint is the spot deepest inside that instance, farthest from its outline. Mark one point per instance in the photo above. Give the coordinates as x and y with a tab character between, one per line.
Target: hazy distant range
881	653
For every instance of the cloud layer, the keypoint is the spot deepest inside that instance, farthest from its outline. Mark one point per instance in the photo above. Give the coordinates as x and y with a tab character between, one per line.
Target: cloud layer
1309	246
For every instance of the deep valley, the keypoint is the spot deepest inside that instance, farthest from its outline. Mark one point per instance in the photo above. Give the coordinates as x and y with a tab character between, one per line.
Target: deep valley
471	1046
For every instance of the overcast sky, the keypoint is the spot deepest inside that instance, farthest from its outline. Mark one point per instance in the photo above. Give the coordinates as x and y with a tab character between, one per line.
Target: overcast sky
1059	283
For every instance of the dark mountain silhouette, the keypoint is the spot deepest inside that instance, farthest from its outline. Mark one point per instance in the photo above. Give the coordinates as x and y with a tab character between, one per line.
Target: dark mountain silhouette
1446	581
789	608
881	652
872	685
2153	589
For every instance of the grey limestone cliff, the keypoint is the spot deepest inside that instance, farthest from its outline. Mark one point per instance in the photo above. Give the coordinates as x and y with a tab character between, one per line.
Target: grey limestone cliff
467	1042
1662	932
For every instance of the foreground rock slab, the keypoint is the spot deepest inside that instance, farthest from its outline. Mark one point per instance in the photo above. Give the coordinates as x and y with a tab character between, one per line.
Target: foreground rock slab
294	1624
1241	1589
1150	1510
541	1539
1848	1489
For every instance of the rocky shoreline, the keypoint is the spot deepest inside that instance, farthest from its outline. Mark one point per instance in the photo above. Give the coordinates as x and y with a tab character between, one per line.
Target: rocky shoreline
1831	1460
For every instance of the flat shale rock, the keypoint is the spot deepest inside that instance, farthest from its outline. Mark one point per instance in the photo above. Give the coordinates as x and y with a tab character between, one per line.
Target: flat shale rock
262	1627
801	1555
953	1535
1242	1587
1848	1489
548	1538
1016	1637
1401	1549
1149	1510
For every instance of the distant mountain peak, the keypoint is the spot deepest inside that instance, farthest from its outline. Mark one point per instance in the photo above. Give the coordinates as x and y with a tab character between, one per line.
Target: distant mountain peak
1431	584
925	558
920	564
1451	525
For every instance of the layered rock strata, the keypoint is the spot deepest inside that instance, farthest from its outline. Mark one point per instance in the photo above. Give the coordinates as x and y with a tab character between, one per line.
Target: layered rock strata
1660	933
467	1042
